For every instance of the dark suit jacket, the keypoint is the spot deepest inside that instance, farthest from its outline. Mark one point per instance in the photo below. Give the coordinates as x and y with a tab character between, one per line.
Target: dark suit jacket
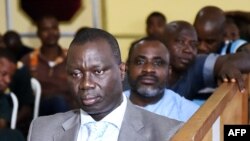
138	125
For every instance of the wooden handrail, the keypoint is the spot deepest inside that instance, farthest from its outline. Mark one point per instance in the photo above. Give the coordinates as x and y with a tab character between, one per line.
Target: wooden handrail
225	106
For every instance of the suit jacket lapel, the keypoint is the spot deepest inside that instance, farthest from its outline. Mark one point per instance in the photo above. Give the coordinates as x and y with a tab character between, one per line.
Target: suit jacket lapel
70	129
132	126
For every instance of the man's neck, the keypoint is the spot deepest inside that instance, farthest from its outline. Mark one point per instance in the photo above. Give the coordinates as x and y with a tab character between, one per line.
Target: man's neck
51	52
101	115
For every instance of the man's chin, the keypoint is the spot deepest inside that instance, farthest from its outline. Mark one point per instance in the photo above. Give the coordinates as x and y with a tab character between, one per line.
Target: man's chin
147	92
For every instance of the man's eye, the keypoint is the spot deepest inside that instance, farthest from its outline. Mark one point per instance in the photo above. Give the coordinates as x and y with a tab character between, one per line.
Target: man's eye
139	62
99	72
76	75
182	42
194	44
158	63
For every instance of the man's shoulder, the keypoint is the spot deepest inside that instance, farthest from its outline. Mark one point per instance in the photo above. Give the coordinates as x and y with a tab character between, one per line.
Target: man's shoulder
27	57
46	127
154	126
56	118
148	116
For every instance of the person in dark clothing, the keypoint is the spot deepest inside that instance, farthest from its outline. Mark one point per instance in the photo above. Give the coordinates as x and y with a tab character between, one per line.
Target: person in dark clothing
13	41
7	71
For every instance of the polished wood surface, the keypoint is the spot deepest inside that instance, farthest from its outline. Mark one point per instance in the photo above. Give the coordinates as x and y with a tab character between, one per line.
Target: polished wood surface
225	106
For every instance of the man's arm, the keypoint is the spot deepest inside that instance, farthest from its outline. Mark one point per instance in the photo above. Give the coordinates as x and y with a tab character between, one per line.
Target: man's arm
245	47
230	67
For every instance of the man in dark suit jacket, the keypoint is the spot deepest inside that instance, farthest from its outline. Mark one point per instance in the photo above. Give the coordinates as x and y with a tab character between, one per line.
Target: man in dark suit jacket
95	74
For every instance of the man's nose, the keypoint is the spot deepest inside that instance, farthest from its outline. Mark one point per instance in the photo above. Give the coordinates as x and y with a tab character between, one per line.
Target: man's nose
87	82
148	67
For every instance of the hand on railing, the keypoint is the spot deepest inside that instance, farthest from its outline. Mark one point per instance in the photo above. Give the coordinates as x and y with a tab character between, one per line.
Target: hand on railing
229	73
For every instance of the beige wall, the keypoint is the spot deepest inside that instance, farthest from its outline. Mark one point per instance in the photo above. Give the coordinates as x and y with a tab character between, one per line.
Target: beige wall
2	17
126	18
22	23
123	18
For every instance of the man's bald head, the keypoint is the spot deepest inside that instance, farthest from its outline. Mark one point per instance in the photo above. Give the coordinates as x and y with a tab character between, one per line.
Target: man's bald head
210	17
175	29
209	24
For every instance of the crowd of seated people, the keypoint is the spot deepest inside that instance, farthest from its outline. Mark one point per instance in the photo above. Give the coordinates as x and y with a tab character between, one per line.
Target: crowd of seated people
165	70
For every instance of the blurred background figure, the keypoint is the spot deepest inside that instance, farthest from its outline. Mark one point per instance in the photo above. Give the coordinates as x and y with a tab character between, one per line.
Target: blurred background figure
47	65
7	70
2	44
20	84
231	31
242	20
155	24
13	41
232	40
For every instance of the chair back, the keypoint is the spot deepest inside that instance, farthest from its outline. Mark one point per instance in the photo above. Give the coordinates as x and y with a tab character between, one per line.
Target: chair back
14	110
36	88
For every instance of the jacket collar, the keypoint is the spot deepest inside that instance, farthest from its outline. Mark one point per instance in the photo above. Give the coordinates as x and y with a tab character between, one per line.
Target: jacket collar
131	129
132	125
70	128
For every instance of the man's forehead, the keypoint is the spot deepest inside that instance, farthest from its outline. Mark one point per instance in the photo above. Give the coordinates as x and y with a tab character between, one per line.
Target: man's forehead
152	51
186	34
90	50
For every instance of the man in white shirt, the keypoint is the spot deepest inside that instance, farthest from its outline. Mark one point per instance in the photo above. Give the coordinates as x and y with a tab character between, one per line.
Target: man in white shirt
95	74
148	68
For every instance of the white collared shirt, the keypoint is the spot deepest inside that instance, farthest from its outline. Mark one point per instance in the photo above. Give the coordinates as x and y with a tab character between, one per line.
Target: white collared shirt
171	105
115	119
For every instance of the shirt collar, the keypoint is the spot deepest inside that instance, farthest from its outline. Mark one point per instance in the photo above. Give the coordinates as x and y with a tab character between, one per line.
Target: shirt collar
115	117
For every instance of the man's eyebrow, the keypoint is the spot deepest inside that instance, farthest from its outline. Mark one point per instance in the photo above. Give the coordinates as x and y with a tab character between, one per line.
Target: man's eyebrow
158	57
140	56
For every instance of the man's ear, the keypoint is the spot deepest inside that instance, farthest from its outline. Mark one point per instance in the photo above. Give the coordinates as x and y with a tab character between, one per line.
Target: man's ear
123	70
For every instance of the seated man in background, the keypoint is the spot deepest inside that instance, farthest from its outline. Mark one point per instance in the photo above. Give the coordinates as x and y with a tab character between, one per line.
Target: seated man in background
47	65
7	70
95	74
191	72
21	86
147	69
155	26
210	25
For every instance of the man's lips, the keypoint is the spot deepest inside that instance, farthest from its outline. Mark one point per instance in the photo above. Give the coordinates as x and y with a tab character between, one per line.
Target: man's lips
148	80
89	100
185	60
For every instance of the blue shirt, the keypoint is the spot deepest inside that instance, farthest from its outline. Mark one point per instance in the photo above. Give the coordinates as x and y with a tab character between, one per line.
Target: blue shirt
172	106
232	46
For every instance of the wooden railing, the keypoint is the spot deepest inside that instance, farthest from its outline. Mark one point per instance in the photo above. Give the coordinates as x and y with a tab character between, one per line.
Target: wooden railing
225	106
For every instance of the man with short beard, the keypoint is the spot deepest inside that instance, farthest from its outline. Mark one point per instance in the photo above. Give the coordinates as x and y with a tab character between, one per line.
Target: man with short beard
148	68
